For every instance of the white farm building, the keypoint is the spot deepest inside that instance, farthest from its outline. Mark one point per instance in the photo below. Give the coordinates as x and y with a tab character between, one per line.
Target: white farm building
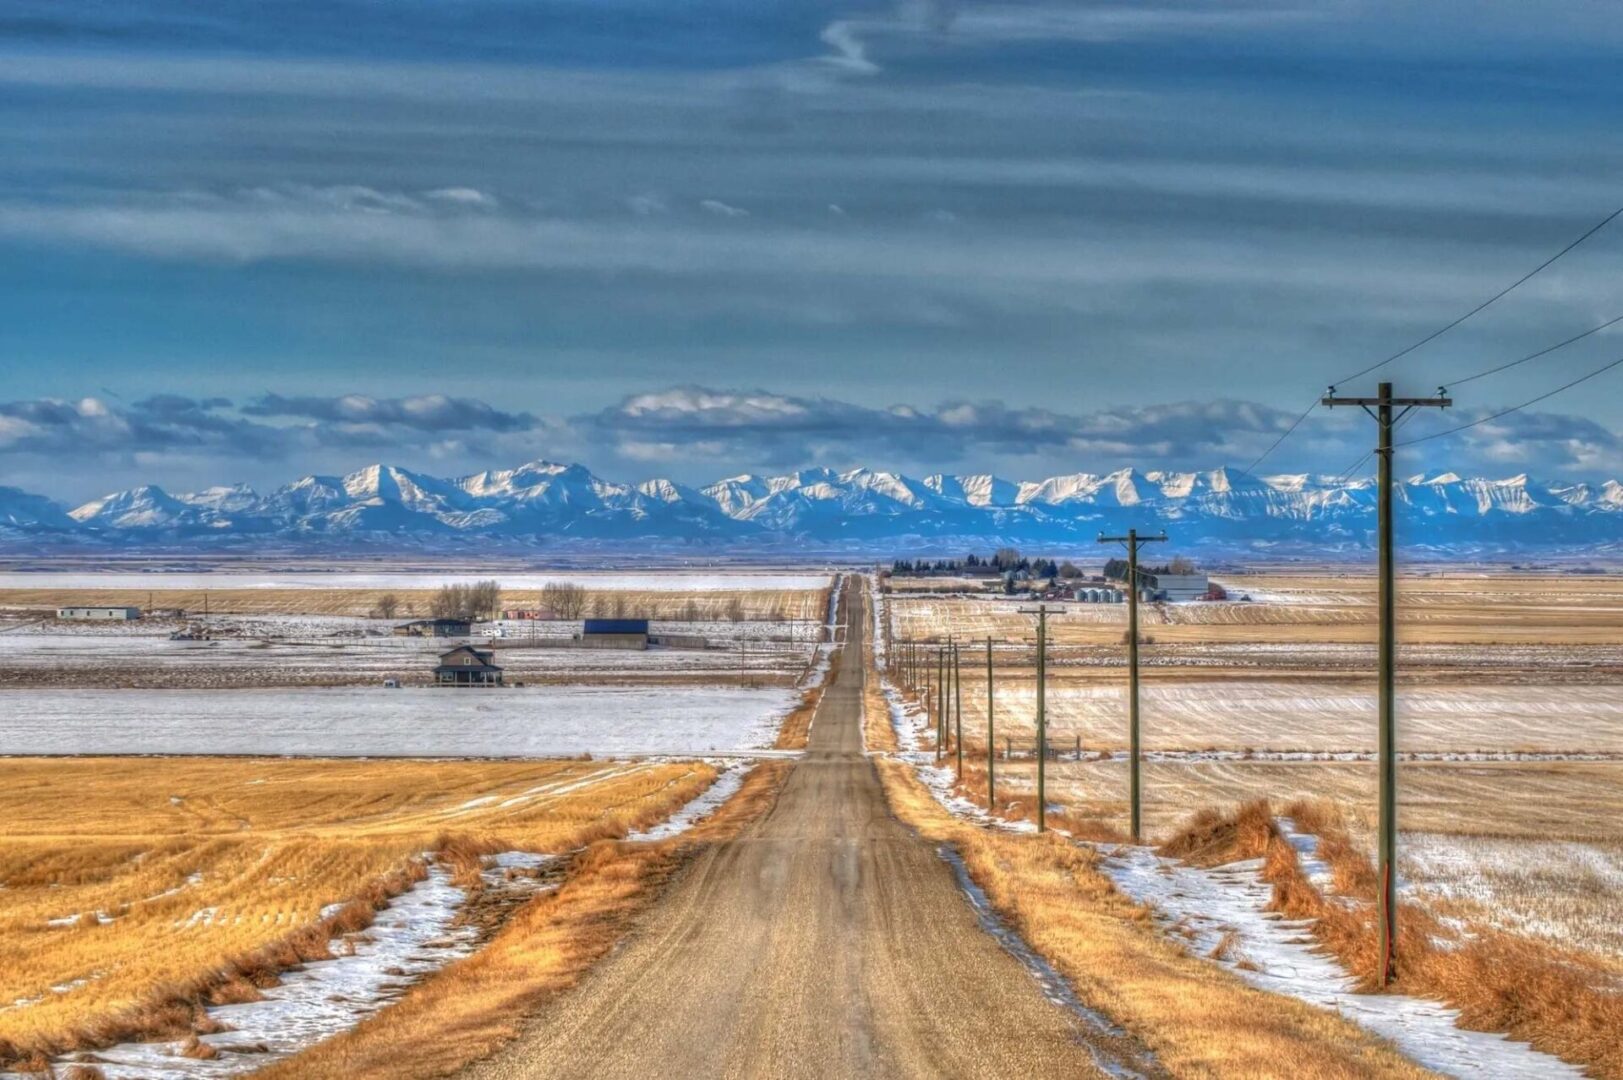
100	614
1174	587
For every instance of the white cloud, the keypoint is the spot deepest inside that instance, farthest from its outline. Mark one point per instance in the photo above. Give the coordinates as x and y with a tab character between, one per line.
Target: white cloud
463	196
721	209
844	36
647	205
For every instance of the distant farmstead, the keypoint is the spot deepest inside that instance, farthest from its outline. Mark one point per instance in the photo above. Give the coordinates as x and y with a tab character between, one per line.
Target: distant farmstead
468	666
434	628
100	614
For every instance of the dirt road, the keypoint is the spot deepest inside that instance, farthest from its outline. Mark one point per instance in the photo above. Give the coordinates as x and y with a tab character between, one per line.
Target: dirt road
827	940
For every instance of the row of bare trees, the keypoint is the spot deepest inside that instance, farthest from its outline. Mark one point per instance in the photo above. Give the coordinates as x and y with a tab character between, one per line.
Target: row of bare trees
563	599
479	601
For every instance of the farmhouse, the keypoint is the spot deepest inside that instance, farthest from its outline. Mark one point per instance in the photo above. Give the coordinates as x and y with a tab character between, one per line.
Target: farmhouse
434	628
111	614
614	634
468	666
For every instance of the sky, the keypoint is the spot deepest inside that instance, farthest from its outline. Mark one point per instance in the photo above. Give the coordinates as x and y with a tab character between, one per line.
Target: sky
240	242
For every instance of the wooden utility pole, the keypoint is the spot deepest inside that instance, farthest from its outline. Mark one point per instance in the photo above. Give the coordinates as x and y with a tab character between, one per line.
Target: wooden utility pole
991	734
958	710
941	697
1132	541
1042	611
1380	408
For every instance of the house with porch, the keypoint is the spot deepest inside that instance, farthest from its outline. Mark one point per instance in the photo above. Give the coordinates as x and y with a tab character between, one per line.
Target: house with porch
468	666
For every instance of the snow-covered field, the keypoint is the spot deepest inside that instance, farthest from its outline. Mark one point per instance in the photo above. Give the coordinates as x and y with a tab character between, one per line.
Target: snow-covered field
277	650
375	722
1563	891
645	581
1263	714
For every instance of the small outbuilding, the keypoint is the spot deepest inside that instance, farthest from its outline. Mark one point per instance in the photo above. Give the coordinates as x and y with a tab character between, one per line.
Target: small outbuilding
468	666
100	614
434	628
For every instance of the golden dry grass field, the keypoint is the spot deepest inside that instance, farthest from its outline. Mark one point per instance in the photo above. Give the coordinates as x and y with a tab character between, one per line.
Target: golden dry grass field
1497	608
129	884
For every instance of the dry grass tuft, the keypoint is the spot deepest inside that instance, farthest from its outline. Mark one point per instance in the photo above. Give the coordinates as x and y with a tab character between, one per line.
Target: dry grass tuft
1211	838
877	732
83	1072
198	1050
795	731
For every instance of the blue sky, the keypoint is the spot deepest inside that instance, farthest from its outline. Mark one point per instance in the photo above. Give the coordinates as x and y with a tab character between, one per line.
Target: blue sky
245	241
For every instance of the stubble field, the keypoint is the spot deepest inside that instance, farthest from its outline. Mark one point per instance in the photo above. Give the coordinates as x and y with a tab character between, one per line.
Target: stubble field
137	889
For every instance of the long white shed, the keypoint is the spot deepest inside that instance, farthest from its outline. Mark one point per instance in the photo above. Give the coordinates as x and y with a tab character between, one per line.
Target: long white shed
108	614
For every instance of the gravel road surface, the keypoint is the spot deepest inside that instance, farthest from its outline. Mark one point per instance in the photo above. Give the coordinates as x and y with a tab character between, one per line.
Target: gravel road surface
828	939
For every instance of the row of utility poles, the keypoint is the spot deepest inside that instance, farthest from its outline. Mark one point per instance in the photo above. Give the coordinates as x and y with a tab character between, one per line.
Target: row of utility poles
1388	411
943	691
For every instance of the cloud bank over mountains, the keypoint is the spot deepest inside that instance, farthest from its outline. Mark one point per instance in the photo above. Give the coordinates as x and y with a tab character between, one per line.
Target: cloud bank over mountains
82	447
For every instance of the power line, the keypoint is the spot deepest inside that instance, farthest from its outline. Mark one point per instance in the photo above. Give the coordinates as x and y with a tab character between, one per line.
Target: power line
1348	473
1500	295
1534	356
1517	408
1250	470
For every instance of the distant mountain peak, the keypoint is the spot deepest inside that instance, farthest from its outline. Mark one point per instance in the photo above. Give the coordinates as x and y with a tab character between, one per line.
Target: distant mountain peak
859	509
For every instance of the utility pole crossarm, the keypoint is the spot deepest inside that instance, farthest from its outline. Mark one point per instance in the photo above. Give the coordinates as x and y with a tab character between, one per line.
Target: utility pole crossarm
1132	538
1331	401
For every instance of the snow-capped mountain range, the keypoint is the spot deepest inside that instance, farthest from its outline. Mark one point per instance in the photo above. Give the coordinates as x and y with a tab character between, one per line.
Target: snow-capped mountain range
550	505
